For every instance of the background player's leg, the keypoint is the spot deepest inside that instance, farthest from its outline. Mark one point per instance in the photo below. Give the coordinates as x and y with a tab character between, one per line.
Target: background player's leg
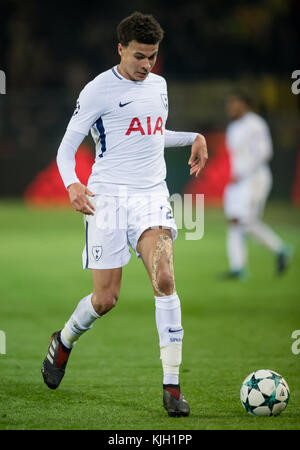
265	235
263	232
237	198
236	247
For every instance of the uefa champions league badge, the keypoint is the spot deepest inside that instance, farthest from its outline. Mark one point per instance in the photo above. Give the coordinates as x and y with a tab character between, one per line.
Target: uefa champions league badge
97	251
164	99
77	108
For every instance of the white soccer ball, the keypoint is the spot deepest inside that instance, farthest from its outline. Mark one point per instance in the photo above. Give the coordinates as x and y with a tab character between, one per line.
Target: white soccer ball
264	393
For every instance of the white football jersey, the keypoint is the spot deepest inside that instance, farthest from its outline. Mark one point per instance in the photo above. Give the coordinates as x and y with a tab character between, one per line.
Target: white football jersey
249	144
127	121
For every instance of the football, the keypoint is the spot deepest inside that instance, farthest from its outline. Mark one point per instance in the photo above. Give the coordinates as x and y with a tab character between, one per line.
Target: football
264	393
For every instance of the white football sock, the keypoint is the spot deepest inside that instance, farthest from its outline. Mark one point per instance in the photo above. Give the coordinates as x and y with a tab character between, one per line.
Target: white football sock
80	321
170	331
236	247
264	234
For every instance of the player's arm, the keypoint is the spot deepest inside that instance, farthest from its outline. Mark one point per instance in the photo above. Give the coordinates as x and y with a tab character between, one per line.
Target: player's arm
78	193
262	148
199	154
88	110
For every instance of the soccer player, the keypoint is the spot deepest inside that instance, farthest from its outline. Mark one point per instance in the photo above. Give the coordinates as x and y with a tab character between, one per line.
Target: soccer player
250	148
126	200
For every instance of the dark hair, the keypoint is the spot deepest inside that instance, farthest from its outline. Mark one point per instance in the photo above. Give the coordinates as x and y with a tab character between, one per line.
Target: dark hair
139	27
241	95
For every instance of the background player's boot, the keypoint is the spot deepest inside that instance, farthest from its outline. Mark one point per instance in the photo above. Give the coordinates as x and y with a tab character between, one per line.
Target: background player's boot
174	402
283	259
54	365
242	275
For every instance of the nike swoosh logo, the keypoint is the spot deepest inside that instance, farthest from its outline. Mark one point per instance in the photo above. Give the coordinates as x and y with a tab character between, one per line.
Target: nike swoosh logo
175	331
124	104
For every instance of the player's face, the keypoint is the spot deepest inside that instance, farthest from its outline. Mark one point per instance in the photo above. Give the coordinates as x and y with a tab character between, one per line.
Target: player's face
235	108
137	60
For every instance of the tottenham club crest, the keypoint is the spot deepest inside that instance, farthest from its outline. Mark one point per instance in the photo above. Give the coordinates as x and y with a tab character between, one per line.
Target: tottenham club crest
97	252
164	99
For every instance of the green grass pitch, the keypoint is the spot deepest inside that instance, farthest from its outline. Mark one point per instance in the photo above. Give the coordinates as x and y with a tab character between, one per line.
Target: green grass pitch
114	377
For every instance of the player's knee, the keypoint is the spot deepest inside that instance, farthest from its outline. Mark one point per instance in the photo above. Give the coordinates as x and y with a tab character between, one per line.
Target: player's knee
165	282
162	266
104	301
250	224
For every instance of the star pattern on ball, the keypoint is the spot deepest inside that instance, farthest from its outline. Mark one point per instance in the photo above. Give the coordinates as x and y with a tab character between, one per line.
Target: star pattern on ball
264	401
253	382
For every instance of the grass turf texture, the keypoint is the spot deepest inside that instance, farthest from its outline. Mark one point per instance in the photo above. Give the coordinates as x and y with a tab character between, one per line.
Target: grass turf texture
114	376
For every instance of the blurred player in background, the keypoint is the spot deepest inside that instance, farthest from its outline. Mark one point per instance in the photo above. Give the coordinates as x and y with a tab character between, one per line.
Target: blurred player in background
249	143
126	109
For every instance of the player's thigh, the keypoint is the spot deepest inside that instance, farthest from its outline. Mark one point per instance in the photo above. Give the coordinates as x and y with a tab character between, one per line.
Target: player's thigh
106	245
237	201
155	247
107	281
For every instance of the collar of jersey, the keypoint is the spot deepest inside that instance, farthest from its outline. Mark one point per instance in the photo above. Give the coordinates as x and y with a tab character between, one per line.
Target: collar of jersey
118	75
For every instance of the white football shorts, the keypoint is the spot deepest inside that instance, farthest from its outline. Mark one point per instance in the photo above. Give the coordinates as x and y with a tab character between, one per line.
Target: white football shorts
117	225
245	200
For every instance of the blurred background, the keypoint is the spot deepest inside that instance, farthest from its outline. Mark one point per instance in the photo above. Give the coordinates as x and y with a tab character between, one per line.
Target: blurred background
50	50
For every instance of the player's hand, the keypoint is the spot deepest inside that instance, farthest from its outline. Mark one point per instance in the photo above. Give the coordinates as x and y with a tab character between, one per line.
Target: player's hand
78	194
198	156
